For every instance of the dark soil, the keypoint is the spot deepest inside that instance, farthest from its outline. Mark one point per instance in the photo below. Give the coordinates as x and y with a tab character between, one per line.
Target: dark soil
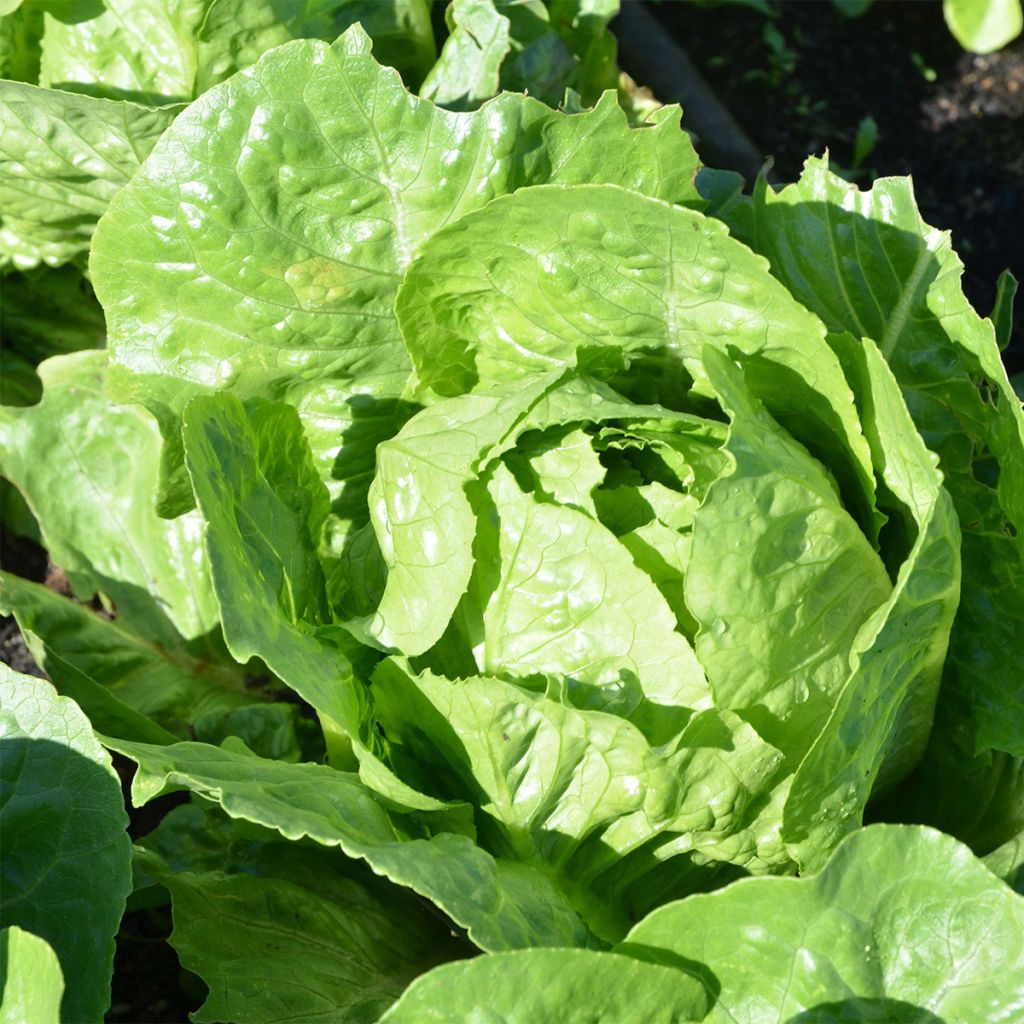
802	82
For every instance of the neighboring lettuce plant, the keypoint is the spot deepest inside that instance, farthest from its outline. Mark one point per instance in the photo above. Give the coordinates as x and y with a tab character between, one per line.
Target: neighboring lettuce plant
510	557
980	26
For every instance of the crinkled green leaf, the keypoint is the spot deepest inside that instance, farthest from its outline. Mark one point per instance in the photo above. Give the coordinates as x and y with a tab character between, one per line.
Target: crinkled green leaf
780	577
264	506
287	268
565	597
533	280
502	904
866	263
583	795
62	158
902	924
983	25
552	986
539	63
424	519
128	685
140	50
88	471
298	934
31	983
67	858
468	69
881	718
236	33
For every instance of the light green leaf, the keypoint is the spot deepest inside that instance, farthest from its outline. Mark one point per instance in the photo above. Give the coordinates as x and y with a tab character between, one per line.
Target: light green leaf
287	268
881	718
126	684
780	579
88	471
140	50
582	795
31	983
525	285
422	516
503	905
236	33
67	858
62	158
866	263
264	506
564	597
983	25
552	986
567	469
298	933
902	924
468	70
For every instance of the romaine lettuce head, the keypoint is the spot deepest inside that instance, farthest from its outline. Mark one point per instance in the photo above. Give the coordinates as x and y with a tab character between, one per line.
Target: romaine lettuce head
586	542
651	643
643	646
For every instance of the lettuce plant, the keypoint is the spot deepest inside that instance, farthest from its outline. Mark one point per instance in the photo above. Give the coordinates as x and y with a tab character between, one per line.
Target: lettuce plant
535	566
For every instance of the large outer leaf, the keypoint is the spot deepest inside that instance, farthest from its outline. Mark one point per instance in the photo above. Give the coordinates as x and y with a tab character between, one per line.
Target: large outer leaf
902	924
866	263
298	933
780	578
88	471
31	983
527	284
502	904
127	684
882	716
275	218
62	158
264	505
552	986
67	858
